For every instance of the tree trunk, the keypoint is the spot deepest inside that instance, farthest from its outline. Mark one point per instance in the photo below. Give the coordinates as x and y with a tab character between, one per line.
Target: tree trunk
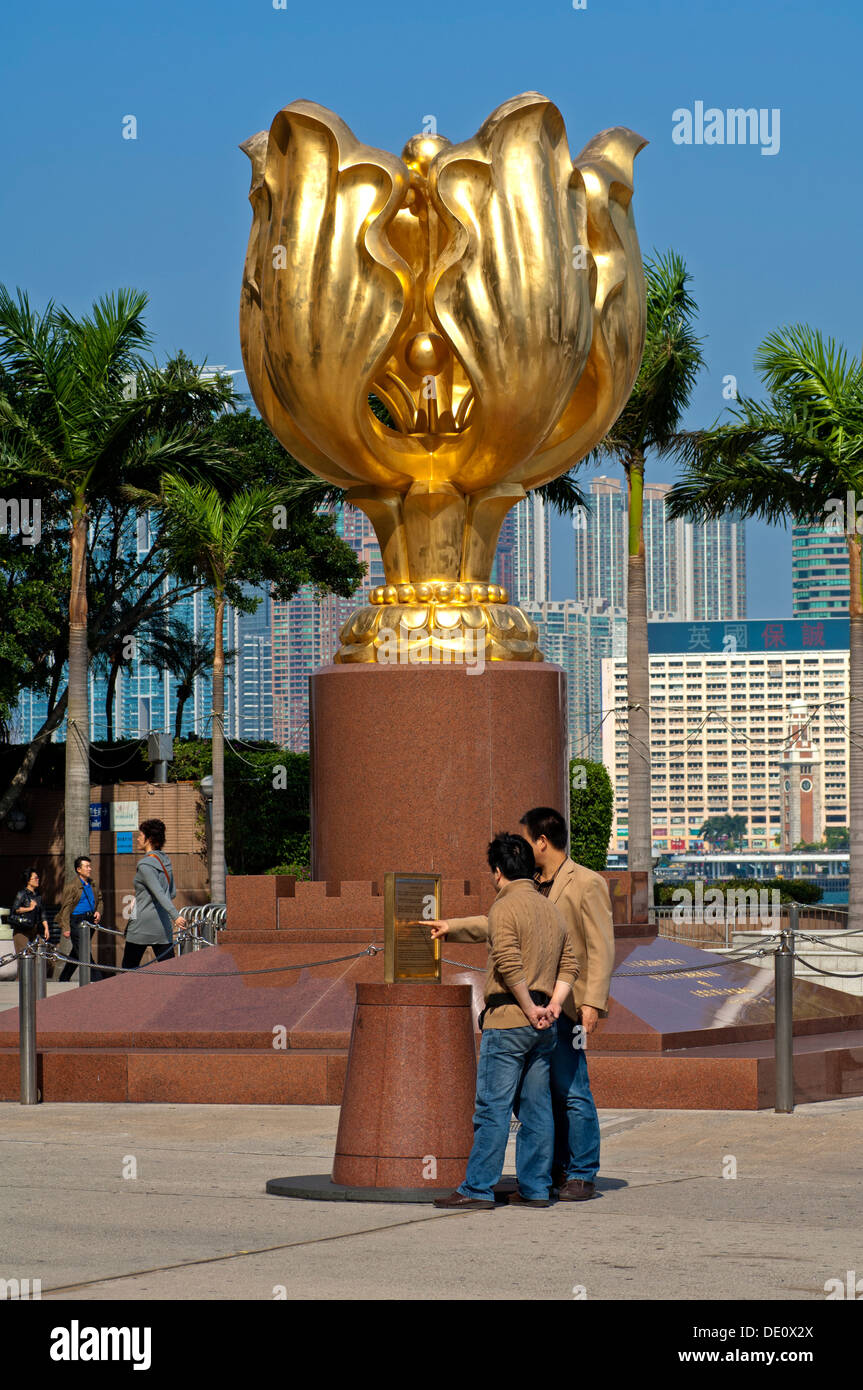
183	693
110	693
855	735
77	798
639	840
217	867
21	777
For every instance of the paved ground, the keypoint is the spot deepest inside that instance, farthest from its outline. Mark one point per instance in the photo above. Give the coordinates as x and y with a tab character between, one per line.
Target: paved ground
9	990
195	1222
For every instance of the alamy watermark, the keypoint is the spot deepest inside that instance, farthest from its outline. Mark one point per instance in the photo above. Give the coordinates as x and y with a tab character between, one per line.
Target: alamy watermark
733	126
849	1287
752	905
436	646
21	517
843	516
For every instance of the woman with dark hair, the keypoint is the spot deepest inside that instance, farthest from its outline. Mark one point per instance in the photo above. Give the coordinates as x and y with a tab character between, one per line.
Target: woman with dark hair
27	912
154	916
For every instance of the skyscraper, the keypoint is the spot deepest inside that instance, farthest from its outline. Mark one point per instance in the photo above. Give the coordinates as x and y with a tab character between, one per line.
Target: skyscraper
694	570
819	573
737	710
600	545
579	637
522	559
305	633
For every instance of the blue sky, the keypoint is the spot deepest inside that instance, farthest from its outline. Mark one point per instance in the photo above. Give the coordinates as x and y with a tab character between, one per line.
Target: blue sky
770	239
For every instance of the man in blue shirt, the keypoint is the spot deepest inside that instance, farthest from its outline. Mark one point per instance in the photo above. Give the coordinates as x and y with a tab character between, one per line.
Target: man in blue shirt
82	902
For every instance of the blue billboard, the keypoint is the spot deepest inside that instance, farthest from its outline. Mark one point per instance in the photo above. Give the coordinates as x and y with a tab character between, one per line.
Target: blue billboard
753	637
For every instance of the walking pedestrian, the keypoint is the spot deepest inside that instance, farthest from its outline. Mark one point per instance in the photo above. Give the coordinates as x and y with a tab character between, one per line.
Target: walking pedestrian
154	916
28	912
81	902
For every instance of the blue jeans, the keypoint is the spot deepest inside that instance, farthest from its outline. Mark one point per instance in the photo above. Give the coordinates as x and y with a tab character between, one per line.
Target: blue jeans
576	1123
509	1059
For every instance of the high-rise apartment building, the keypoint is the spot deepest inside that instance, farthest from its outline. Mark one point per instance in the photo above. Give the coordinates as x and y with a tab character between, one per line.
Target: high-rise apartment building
727	703
601	545
579	637
305	633
522	560
819	573
694	570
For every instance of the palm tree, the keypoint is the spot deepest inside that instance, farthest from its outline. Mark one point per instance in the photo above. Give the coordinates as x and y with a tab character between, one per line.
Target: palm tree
219	541
727	831
176	649
650	422
798	454
81	409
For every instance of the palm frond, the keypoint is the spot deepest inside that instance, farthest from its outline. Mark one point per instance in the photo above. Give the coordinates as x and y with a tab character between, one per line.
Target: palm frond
564	494
751	487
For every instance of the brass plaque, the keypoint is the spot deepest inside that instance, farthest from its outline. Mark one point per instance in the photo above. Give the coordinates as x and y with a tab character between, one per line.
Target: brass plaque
410	902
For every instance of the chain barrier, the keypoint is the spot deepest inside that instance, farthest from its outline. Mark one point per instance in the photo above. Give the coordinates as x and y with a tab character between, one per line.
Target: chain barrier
751	953
54	955
834	974
833	945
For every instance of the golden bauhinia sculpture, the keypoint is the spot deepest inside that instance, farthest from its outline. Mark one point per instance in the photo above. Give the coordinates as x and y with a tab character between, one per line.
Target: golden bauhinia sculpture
488	295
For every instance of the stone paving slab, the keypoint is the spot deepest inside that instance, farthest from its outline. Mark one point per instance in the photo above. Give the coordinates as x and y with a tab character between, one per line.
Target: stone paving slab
196	1223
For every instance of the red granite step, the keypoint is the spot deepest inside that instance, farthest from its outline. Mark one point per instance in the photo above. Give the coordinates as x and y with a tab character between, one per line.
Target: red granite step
686	1029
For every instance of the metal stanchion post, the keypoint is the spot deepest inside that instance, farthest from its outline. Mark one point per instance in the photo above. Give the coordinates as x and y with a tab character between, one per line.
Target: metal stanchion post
84	939
783	962
27	1027
793	917
41	964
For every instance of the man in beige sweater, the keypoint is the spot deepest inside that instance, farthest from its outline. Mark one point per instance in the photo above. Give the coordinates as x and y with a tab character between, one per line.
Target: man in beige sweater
531	969
582	898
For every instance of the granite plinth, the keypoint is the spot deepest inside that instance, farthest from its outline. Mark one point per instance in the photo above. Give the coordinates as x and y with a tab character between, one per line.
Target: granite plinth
409	1089
195	1030
417	767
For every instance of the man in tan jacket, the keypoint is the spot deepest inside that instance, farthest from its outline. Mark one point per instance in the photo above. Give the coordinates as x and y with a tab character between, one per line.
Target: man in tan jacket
531	968
582	898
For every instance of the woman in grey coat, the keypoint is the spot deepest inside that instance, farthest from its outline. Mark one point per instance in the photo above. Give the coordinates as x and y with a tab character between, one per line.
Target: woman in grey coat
154	917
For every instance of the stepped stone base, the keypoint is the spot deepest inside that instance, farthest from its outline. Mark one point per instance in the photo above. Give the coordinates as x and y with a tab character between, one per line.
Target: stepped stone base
700	1038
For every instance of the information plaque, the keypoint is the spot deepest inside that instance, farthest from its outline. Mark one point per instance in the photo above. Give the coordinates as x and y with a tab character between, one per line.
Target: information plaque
411	901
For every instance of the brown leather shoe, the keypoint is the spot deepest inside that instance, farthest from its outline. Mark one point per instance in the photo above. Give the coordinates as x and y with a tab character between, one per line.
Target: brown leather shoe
516	1200
576	1190
457	1201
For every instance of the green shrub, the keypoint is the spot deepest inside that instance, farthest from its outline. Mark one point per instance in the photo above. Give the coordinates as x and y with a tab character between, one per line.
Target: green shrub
266	802
799	890
591	808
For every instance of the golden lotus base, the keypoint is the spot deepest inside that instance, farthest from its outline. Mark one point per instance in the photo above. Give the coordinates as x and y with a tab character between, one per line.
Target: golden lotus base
419	634
439	591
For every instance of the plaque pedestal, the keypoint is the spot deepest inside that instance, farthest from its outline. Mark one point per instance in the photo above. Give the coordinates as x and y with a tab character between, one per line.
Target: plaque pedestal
409	1090
405	1130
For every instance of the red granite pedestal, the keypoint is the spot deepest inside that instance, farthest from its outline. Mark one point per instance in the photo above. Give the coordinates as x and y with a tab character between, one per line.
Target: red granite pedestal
420	766
405	1130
